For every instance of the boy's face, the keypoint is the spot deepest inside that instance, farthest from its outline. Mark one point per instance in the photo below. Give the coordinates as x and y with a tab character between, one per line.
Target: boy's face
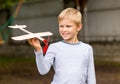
69	30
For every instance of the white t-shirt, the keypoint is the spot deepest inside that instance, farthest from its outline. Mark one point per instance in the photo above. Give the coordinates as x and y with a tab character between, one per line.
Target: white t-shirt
72	63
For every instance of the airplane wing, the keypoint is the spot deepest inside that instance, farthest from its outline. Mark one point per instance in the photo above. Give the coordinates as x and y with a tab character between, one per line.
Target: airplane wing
18	26
32	35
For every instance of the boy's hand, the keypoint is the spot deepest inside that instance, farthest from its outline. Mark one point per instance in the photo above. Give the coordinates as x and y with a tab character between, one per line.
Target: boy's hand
35	43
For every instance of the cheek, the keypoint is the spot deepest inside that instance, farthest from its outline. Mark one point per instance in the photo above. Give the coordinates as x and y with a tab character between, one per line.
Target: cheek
59	30
74	32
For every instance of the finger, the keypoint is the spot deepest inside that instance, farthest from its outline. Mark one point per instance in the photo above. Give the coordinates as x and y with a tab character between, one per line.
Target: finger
30	41
35	40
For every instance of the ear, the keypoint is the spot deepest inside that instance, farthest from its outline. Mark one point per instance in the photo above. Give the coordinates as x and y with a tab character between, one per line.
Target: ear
79	27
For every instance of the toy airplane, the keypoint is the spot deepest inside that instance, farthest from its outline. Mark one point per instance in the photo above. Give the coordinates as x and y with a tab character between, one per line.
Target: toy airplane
30	35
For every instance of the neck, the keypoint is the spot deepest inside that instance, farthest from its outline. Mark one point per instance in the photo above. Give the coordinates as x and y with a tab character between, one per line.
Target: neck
74	41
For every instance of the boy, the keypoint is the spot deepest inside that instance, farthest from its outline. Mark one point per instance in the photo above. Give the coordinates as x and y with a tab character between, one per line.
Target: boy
71	59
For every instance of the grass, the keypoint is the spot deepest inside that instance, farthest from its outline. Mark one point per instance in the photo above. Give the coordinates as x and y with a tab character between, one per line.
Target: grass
21	70
107	63
8	61
17	65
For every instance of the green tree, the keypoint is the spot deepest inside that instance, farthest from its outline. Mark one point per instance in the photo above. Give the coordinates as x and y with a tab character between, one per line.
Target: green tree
7	4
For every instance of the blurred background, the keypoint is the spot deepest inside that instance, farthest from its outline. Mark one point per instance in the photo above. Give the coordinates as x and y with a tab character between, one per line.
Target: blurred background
101	22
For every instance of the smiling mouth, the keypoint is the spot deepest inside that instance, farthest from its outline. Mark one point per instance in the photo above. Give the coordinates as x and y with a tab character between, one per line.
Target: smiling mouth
65	34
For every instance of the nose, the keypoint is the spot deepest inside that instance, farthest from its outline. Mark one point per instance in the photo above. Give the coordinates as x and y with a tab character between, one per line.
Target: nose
64	29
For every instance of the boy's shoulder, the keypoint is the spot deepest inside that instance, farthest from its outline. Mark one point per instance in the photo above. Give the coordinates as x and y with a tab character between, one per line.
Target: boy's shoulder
85	44
56	43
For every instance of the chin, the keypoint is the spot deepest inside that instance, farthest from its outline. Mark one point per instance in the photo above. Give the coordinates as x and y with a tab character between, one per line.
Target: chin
66	39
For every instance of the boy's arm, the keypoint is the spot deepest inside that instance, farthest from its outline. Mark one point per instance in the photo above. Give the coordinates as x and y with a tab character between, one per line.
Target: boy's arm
91	69
44	63
43	68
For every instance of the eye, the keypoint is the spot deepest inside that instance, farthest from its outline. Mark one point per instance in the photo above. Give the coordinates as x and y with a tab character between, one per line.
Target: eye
68	26
61	26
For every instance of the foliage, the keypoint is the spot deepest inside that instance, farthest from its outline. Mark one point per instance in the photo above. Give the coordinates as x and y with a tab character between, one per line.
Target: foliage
8	4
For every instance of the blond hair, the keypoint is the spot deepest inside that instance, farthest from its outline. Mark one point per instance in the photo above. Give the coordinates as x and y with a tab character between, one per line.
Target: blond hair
72	14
